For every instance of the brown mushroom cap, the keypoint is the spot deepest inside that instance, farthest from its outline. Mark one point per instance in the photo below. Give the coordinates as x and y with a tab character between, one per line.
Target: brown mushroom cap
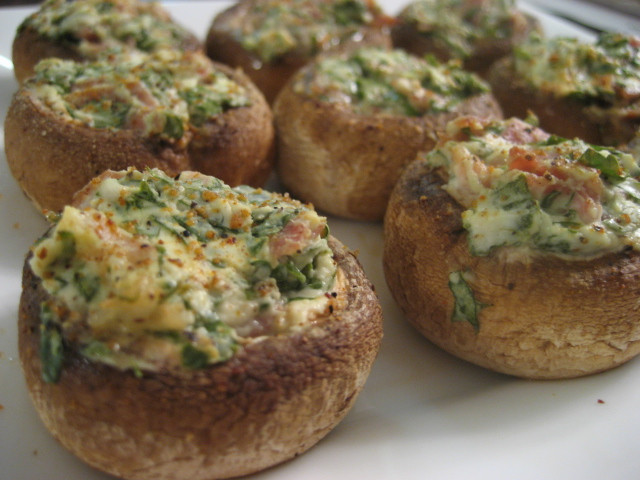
543	318
272	401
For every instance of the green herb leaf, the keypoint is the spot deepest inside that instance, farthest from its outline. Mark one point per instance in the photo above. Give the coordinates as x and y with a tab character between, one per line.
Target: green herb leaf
608	165
193	358
548	199
466	308
88	285
146	193
173	127
51	348
349	12
514	194
289	277
552	140
96	350
68	244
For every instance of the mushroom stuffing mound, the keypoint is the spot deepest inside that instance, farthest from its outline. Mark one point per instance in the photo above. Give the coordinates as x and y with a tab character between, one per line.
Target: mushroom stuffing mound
575	88
518	250
477	32
271	39
181	328
88	29
169	109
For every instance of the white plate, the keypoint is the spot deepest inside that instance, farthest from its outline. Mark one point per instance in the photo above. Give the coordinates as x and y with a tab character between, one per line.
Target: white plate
423	414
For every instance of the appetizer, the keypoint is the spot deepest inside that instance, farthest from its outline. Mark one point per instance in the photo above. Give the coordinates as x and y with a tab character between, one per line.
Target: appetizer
86	29
356	119
171	110
478	32
271	39
576	89
518	250
181	328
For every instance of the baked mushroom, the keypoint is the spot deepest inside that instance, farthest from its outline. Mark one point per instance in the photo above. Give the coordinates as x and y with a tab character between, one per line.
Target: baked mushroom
347	124
518	250
477	32
87	29
271	39
184	329
171	110
576	89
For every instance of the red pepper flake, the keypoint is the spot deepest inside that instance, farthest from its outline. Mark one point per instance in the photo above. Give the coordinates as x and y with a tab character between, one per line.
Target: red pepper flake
176	261
600	401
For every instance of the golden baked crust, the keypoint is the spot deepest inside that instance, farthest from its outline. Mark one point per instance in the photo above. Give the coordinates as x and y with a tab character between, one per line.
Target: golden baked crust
545	318
272	401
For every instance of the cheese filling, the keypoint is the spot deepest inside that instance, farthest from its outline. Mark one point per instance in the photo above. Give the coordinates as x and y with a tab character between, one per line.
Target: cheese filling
94	27
376	80
165	94
459	24
522	187
602	74
153	273
273	28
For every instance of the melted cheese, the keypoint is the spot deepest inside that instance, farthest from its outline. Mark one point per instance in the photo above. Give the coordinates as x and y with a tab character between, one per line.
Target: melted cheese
523	188
188	267
606	72
459	24
377	80
94	27
273	28
165	94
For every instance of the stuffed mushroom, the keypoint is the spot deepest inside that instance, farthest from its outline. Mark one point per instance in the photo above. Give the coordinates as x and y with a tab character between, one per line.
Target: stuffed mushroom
171	110
181	328
347	124
518	250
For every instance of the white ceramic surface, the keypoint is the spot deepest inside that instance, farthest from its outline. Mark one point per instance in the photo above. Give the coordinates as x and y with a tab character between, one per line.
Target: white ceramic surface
423	414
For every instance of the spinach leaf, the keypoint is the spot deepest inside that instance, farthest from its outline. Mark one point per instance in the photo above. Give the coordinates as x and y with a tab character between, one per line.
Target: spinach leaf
466	308
51	348
608	165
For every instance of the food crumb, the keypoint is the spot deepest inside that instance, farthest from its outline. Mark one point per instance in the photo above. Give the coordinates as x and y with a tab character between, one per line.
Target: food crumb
35	452
1	406
600	400
16	225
